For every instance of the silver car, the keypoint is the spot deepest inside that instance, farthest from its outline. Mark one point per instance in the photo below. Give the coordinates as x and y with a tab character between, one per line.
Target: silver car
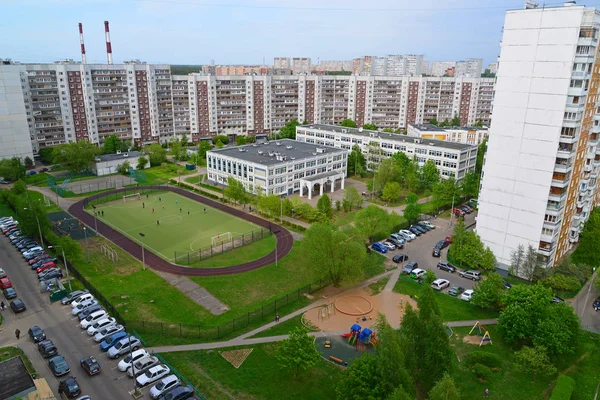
106	332
124	346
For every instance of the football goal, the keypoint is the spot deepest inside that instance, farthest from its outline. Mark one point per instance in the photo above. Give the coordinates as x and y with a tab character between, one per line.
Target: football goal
134	196
221	238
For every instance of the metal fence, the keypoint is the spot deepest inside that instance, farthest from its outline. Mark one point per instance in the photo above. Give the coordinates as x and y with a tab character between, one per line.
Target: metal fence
87	187
189	257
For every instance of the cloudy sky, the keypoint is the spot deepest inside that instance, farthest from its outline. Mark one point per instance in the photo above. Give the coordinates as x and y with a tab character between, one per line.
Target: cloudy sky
245	31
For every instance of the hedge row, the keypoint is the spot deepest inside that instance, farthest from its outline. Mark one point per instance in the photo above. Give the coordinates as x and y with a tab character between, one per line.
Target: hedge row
563	389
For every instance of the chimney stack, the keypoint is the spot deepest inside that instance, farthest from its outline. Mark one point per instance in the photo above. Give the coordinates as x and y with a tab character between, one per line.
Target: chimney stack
108	46
83	60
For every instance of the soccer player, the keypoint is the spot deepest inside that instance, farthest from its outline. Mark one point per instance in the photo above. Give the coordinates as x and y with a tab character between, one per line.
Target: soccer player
157	222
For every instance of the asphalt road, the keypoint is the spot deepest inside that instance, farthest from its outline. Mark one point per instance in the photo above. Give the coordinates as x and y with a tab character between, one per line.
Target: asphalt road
583	305
420	250
60	327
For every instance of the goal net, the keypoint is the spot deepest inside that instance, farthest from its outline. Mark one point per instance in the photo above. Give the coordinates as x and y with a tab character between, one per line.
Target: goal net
221	238
134	196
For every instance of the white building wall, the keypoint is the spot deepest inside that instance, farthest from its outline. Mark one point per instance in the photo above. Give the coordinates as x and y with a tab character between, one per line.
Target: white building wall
14	130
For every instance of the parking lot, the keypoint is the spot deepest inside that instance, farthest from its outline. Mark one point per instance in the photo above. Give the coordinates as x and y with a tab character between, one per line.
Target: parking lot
420	250
62	328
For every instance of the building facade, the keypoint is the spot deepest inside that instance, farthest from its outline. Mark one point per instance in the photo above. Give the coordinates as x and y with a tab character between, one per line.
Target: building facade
463	134
452	159
541	168
441	68
280	167
470	68
301	66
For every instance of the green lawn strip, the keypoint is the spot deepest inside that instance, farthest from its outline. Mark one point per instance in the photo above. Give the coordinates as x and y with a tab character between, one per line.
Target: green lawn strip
162	174
342	218
377	287
452	309
259	377
194	179
6	211
39	197
247	252
284	328
10	352
39	179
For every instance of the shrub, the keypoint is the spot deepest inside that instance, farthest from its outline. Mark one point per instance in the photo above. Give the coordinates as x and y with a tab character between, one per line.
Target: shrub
563	389
47	154
488	359
482	372
221	138
124	168
562	282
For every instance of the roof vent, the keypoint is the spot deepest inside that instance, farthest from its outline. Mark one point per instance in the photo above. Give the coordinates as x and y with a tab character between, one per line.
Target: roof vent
125	154
98	160
241	149
570	3
431	144
293	158
320	150
254	145
344	130
278	143
271	154
314	154
288	147
360	129
260	152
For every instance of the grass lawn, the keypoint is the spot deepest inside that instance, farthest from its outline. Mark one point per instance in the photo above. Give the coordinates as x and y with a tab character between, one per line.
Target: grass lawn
377	287
452	309
284	328
250	251
10	352
342	218
259	377
39	179
194	179
37	196
162	174
6	211
178	231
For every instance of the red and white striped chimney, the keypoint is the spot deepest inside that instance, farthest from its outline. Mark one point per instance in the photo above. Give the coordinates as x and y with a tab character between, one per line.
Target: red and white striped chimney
83	60
108	46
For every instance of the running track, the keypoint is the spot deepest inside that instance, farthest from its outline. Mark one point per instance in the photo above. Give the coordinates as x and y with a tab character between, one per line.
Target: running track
283	236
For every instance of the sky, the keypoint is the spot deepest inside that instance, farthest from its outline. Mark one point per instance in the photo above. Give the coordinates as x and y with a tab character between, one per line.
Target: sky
248	31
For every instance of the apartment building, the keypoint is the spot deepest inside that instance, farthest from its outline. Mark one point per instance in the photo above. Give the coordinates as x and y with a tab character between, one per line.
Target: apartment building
541	168
452	159
301	66
282	63
414	62
464	134
470	68
14	130
441	68
280	167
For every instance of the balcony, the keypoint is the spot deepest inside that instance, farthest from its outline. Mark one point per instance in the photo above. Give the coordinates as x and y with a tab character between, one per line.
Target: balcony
565	151
567	139
545	248
560	180
557	194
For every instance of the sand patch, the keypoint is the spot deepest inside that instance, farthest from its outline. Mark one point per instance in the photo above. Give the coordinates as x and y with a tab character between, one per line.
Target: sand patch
236	357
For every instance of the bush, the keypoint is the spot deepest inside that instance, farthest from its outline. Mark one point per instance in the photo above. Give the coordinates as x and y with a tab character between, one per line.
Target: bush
221	138
562	282
47	155
124	168
563	389
482	372
488	359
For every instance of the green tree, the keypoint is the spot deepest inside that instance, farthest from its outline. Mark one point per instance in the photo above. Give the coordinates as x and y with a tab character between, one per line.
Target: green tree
531	268
298	352
388	130
455	121
12	169
534	361
489	292
562	282
361	380
111	144
433	121
412	211
348	123
390	358
28	162
372	220
236	191
391	192
558	330
589	242
444	389
123	169
156	154
289	130
482	148
430	175
517	258
324	205
386	172
357	164
270	205
340	254
240	140
469	186
399	394
524	305
353	198
445	191
370	127
184	141
203	148
177	151
219	144
46	154
142	162
468	250
77	156
224	139
71	248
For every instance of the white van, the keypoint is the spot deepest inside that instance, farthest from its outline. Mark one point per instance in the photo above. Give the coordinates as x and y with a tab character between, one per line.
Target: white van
93	318
85	297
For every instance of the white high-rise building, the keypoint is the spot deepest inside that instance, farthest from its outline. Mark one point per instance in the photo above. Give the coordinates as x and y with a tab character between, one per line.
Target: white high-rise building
414	62
301	66
282	63
540	173
439	68
471	68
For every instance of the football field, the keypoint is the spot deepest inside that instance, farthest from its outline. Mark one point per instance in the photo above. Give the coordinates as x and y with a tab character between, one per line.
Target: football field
170	222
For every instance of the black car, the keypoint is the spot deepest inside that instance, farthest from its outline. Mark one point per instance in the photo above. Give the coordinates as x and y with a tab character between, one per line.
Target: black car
436	252
59	366
179	393
398	258
420	228
9	293
47	348
596	304
442	244
17	306
37	334
43	261
467	210
415	231
90	365
73	296
408	268
51	275
69	387
446	266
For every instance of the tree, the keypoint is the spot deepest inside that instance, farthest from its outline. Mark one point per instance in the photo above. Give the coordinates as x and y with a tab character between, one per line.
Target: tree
489	293
433	121
534	361
324	205
560	282
71	248
289	130
184	141
480	156
224	139
445	191
339	253
112	144
240	140
469	251
12	169
203	148
558	330
388	130
177	151
270	205
455	121
589	242
469	186
156	154
142	162
371	220
123	169
46	154
391	192
236	191
348	123
361	380
412	211
444	389
77	156
219	144
386	172
370	127
399	394
532	266
353	198
357	164
28	162
430	175
298	352
517	257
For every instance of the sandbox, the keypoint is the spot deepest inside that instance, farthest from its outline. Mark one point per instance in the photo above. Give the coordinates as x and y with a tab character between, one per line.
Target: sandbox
353	305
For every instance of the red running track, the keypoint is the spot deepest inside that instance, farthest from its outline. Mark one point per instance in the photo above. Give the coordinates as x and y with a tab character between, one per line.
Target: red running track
283	236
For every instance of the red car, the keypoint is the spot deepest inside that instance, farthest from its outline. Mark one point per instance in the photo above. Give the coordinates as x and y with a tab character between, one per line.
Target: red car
9	229
44	267
448	239
458	212
5	283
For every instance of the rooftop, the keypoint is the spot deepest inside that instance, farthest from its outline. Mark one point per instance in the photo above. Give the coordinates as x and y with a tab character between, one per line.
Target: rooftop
434	128
122	156
14	378
389	136
277	151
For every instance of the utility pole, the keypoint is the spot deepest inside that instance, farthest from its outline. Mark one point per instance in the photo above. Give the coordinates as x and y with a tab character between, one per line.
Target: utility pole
66	266
87	248
143	257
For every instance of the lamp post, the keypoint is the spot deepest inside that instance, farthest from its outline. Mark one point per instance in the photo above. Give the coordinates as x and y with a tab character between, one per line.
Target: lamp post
87	249
143	256
95	219
66	266
38	224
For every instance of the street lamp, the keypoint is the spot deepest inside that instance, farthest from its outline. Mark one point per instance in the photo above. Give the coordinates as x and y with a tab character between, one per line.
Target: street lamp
143	257
95	219
66	266
87	249
38	224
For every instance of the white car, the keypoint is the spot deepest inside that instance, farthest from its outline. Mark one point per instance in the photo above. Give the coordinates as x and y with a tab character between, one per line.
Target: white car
2	273
101	324
408	234
165	384
417	273
81	299
93	318
106	332
440	284
427	224
152	375
142	365
83	306
388	245
467	294
133	357
32	250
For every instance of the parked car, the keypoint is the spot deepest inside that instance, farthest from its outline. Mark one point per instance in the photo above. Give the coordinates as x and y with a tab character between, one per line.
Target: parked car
399	238
124	345
398	258
557	299
5	283
35	253
181	392
408	235
448	239
93	318
106	332
596	304
379	247
45	266
152	375
467	295
43	169
442	244
40	260
420	224
69	387
2	273
47	348
408	268
427	224
32	251
73	296
458	212
414	231
31	172
398	243
165	385
85	313
36	334
9	293
420	228
83	306
101	324
446	266
59	366
17	306
436	252
417	273
141	366
111	340
131	358
389	245
466	210
52	274
456	290
440	284
81	299
90	365
470	274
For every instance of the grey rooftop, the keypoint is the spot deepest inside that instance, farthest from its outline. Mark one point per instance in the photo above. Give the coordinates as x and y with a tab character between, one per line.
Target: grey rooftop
273	152
123	156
